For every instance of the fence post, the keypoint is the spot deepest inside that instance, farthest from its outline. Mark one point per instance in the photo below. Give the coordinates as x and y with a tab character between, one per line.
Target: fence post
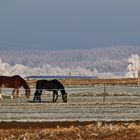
104	93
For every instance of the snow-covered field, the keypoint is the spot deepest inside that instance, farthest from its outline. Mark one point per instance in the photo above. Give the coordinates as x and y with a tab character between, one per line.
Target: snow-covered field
82	105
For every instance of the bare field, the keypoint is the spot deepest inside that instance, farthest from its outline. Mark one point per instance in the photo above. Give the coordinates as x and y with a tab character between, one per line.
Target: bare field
70	131
96	81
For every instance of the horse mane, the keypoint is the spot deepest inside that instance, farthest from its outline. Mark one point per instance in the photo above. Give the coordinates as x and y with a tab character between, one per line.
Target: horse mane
25	85
57	81
61	87
23	82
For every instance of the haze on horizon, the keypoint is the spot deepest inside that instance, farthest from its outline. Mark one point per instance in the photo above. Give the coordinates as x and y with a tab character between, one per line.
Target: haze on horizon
73	24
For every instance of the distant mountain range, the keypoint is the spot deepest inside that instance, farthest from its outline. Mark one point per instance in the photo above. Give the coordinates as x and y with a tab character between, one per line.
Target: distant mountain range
111	59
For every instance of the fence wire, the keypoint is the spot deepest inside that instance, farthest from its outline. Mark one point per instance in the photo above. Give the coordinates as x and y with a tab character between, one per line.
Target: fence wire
82	91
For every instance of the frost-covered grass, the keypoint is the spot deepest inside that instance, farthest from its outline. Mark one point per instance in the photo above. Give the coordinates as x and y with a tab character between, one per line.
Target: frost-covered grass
80	106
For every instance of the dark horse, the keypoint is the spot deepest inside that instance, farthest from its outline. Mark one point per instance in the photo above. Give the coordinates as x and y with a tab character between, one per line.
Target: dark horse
50	85
14	82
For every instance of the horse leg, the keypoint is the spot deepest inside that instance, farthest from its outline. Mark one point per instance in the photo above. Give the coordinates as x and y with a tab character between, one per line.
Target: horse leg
12	96
17	92
37	96
34	98
55	93
0	94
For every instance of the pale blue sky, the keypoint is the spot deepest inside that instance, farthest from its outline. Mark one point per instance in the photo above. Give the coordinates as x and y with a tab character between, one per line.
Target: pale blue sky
69	24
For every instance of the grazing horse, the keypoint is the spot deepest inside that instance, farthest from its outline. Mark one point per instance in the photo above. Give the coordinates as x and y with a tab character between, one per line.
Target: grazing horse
14	82
50	85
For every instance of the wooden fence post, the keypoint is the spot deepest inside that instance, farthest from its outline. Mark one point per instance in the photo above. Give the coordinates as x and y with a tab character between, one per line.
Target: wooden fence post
104	94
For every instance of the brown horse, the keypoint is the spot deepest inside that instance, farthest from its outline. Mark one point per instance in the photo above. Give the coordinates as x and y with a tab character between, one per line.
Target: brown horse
14	82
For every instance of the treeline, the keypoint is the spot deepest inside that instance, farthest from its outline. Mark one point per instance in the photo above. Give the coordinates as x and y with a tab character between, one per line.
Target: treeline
111	59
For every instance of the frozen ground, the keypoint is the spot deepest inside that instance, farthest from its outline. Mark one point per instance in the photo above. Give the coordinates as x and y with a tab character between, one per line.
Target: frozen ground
82	105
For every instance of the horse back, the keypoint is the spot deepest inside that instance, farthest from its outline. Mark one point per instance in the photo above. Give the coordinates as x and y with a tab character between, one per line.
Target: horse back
11	81
49	84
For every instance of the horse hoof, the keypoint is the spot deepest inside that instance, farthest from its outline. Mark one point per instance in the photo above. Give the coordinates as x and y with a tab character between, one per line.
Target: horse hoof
1	97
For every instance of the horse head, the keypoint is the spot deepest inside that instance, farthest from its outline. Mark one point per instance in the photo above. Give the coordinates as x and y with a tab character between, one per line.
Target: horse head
64	97
27	93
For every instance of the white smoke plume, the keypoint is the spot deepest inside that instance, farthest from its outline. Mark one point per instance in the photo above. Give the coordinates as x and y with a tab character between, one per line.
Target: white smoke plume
9	70
134	66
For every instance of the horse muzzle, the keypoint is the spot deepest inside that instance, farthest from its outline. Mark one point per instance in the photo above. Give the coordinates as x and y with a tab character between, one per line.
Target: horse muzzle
65	99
